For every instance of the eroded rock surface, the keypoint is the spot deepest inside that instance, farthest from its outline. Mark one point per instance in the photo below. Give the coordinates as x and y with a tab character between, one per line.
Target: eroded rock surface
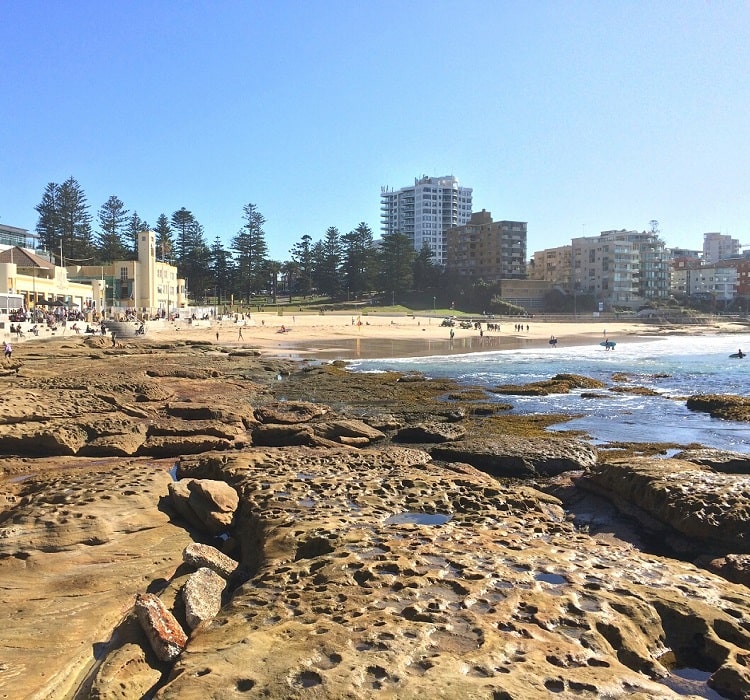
378	578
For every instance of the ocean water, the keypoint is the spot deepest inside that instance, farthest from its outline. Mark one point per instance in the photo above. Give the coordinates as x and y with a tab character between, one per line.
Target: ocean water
675	367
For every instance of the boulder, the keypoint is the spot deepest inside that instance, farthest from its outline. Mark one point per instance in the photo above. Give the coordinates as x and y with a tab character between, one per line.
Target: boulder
203	555
510	456
167	638
214	503
202	596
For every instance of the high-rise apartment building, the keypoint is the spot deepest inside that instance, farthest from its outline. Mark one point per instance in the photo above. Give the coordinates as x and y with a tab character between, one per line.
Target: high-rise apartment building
621	267
425	211
488	250
719	246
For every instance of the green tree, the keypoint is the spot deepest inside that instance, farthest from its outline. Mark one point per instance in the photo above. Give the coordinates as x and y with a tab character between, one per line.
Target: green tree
251	251
289	273
222	270
329	268
197	264
164	242
134	227
76	237
49	225
301	253
183	223
396	264
359	261
425	272
113	217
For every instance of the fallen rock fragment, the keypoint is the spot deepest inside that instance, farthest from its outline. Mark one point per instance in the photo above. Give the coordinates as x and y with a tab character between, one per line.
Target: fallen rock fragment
164	633
204	555
214	502
202	596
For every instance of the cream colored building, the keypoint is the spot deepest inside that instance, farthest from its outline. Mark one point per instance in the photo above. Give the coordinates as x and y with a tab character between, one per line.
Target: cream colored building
553	265
147	285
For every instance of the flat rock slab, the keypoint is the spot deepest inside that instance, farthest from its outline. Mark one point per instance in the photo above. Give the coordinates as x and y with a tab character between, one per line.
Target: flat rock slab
76	545
519	457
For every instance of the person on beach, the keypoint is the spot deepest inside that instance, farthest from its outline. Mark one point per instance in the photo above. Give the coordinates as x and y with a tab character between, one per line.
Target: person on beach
452	333
239	333
8	349
114	338
740	354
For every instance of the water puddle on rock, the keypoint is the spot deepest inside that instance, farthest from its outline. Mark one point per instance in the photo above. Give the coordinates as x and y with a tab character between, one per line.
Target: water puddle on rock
418	519
691	681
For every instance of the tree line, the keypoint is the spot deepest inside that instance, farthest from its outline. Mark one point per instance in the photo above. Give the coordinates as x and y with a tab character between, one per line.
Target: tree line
338	265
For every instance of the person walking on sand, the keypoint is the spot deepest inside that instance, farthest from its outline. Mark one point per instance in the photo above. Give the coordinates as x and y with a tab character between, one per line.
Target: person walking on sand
8	349
239	334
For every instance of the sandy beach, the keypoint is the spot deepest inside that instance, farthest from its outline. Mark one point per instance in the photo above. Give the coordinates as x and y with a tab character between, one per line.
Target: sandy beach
347	336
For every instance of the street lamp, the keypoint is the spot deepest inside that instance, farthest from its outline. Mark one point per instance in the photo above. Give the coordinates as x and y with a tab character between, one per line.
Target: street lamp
433	303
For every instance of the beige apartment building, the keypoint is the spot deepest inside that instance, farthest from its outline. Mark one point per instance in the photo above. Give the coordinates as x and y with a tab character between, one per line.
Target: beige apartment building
487	250
553	265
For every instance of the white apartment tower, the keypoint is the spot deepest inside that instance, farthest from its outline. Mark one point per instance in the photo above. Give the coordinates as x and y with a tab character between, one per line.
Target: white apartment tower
425	211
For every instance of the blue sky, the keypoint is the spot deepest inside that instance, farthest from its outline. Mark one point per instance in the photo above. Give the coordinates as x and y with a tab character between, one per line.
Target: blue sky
576	117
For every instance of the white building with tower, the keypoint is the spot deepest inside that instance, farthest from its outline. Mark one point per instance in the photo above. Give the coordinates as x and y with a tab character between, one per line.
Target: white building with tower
425	211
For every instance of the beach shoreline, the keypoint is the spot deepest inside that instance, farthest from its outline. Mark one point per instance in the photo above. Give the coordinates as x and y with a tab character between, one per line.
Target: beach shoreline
333	336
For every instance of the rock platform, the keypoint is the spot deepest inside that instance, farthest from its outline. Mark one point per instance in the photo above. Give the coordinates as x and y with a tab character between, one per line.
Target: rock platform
177	521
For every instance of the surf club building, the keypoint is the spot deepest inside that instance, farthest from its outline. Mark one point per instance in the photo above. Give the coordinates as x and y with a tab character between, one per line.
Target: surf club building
145	287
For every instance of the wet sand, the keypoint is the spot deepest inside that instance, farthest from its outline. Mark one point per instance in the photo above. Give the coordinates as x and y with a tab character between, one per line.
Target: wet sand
344	336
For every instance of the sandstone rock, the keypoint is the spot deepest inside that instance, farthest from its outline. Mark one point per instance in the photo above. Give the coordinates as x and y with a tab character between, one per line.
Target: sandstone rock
204	555
519	457
559	384
705	508
77	545
288	412
338	429
202	595
164	633
733	567
176	445
720	460
129	669
112	436
179	496
281	435
214	503
725	406
430	432
42	439
205	411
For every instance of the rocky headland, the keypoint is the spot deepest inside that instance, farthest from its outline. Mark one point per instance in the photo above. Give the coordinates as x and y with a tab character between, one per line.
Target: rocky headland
179	520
